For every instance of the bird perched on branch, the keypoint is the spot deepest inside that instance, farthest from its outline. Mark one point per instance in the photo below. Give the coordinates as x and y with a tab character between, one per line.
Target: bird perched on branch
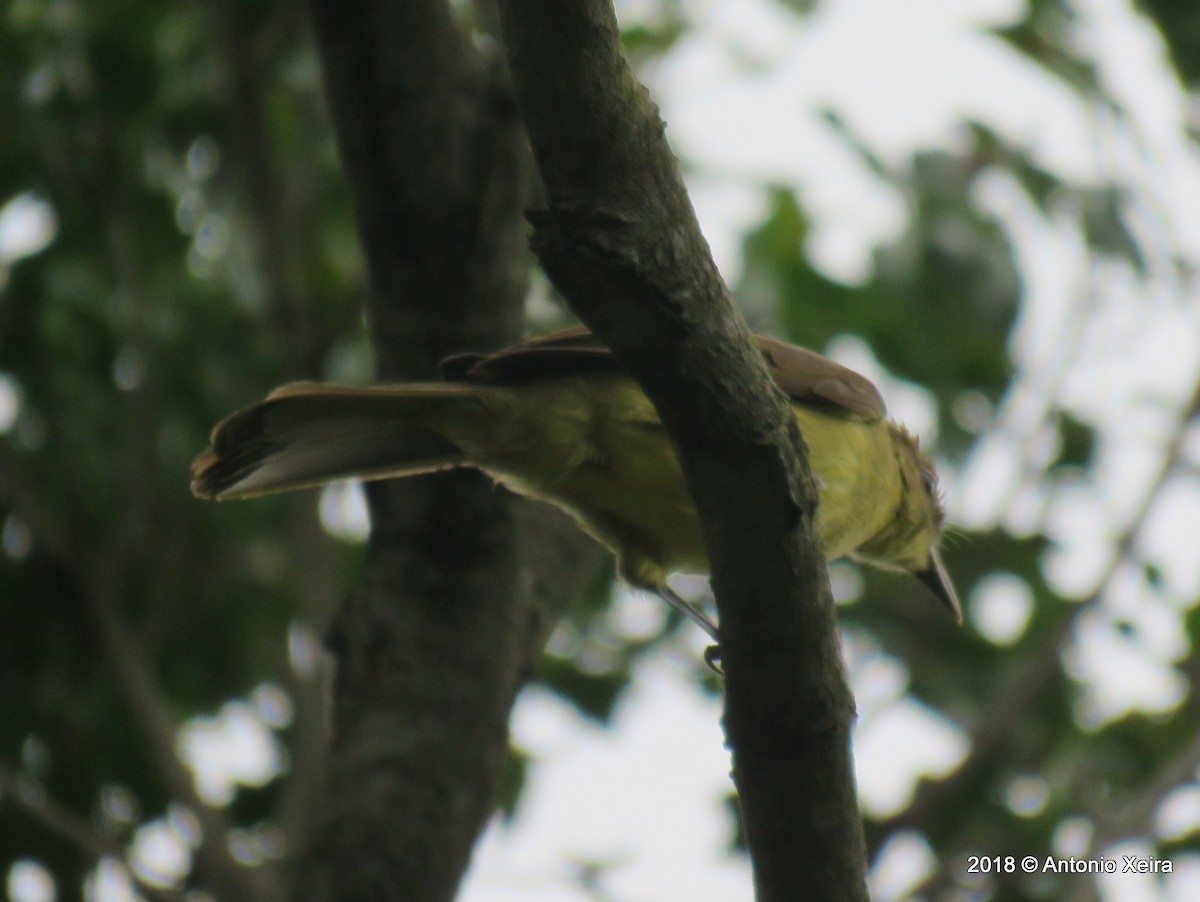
556	418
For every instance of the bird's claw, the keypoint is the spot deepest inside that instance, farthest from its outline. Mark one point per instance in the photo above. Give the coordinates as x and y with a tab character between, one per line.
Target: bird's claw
712	657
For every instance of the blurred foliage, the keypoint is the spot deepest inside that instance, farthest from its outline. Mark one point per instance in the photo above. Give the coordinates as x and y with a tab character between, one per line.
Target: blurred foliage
204	250
1180	29
938	299
1044	35
150	316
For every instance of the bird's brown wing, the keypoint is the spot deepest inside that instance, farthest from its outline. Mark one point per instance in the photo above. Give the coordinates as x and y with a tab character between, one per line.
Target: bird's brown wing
805	376
571	350
815	381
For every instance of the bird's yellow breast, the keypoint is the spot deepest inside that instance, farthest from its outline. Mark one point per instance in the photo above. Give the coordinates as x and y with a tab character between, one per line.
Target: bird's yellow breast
594	446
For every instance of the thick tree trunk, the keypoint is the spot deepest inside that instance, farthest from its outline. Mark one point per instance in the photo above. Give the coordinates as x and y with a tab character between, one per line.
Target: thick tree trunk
432	649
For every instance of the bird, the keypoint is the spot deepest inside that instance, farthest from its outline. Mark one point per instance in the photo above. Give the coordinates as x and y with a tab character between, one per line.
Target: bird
557	418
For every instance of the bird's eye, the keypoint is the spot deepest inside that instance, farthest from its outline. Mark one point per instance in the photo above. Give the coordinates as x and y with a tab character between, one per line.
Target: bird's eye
929	482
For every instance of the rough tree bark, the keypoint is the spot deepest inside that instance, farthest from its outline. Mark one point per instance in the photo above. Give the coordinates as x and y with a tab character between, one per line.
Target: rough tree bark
621	241
432	648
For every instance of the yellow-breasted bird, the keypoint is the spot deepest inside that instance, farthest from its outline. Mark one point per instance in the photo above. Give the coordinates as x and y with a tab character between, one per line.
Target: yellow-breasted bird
557	418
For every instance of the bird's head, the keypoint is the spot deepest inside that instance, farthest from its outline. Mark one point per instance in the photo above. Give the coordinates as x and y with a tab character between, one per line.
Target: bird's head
910	540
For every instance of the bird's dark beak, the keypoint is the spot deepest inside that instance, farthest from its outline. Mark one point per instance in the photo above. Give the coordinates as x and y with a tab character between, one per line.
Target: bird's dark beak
938	581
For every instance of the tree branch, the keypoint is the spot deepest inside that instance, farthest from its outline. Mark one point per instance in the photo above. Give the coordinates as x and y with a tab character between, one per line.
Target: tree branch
622	243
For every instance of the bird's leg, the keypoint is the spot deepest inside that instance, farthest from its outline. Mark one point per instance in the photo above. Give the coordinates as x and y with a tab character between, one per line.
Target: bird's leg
712	654
684	607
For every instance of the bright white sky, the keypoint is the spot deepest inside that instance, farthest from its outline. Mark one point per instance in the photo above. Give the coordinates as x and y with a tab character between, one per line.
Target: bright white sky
741	96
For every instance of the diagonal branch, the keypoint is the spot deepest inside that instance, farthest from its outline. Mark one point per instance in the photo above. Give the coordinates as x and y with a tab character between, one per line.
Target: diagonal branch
621	241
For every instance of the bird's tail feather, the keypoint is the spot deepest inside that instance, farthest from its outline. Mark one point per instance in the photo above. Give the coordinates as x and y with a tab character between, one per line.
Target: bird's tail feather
308	434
